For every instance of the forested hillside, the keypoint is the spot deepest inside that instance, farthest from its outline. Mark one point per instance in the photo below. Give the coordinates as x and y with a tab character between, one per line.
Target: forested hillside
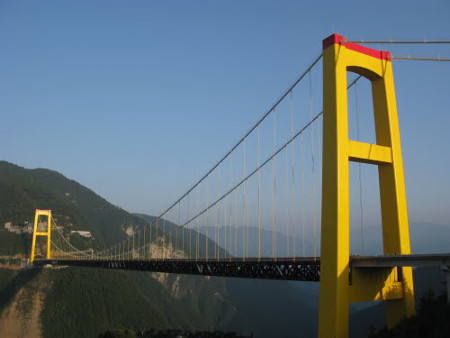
76	302
85	302
73	206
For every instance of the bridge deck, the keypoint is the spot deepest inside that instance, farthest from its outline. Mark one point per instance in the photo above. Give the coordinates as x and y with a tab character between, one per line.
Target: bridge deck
299	268
400	260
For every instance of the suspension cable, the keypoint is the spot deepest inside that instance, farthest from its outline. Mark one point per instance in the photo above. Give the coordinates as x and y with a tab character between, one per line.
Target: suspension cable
265	115
231	205
198	225
230	240
163	239
236	220
243	204
274	184
361	211
179	224
241	140
259	195
293	176
312	168
64	252
190	229
156	235
237	185
245	178
302	167
139	244
143	248
207	214
217	244
59	231
319	171
241	182
287	201
225	224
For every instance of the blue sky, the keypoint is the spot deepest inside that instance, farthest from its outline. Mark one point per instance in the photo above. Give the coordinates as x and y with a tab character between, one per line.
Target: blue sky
136	99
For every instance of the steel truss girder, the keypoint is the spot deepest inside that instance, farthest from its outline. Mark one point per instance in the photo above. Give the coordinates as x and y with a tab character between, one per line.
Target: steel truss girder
299	269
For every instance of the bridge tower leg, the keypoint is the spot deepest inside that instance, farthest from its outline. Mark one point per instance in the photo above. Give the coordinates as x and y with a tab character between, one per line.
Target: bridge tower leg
393	285
36	232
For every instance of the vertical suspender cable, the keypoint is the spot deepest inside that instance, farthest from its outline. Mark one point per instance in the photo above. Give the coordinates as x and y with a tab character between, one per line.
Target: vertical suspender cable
179	224
156	234
319	171
302	169
235	211
176	242
236	222
230	218
259	196
170	238
132	252
225	214
128	249
274	184
190	228
164	238
143	248
293	201
243	204
361	211
198	226
287	203
312	167
231	204
207	215
139	244
218	214
150	240
247	237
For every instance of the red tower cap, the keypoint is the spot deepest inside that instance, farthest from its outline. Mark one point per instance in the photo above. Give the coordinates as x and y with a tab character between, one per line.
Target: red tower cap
339	39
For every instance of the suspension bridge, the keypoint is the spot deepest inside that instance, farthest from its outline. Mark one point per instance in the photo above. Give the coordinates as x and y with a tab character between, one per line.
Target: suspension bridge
289	174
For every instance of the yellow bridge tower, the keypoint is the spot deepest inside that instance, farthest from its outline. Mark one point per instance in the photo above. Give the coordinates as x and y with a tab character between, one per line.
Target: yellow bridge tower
36	232
393	285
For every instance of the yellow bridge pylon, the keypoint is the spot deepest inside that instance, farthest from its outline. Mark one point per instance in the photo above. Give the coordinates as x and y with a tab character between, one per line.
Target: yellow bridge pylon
36	233
393	285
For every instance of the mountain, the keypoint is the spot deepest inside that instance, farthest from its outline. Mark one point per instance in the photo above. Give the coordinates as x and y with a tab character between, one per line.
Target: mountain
425	237
281	243
73	205
75	302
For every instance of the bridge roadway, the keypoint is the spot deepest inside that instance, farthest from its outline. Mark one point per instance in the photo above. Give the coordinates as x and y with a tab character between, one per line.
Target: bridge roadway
299	269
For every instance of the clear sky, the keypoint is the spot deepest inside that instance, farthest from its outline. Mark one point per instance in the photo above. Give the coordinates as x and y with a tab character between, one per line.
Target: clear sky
136	99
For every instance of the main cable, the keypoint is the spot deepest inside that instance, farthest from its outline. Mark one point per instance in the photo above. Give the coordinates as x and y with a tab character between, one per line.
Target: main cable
265	115
236	186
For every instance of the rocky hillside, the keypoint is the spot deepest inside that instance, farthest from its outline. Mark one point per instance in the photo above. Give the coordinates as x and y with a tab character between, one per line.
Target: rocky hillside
81	302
